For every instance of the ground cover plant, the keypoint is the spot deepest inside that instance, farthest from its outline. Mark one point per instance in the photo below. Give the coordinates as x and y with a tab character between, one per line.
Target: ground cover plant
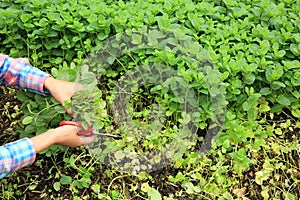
253	45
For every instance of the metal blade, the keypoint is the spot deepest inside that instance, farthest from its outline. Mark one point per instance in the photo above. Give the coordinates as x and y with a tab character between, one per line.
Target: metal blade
107	135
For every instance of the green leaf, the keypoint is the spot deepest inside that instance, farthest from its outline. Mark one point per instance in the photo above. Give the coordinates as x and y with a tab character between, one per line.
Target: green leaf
265	91
56	186
277	85
78	184
27	120
252	114
277	72
296	79
279	54
296	94
67	103
65	180
136	39
115	194
54	72
249	79
111	73
294	48
163	21
59	109
261	176
296	113
119	155
246	106
277	108
110	59
283	100
264	108
85	125
22	96
186	118
153	194
227	196
169	112
269	74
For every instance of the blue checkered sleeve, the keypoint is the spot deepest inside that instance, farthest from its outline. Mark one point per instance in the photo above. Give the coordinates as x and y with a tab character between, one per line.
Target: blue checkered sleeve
16	155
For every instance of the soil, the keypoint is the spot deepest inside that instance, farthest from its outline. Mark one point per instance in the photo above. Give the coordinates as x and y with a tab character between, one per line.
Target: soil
8	105
36	181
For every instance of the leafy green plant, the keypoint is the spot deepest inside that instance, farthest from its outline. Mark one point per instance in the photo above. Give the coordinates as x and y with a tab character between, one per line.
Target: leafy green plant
254	45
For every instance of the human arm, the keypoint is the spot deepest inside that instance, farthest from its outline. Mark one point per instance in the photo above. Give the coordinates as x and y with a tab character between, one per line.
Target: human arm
65	135
19	73
21	153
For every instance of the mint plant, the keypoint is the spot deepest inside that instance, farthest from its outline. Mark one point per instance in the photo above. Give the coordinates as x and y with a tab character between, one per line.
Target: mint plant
253	47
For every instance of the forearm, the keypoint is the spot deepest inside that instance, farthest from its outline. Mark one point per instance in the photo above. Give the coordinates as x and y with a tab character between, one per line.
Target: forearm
64	135
44	140
18	154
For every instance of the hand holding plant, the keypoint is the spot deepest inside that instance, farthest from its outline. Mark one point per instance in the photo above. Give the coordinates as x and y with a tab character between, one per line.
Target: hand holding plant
60	90
66	135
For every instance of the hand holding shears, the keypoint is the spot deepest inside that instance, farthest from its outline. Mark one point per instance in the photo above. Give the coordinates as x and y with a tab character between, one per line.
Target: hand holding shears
87	132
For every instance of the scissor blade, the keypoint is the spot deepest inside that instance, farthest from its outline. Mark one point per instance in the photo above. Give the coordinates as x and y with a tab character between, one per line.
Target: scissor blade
106	134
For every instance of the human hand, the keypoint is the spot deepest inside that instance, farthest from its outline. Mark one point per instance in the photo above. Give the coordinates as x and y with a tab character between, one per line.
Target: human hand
60	90
67	135
64	135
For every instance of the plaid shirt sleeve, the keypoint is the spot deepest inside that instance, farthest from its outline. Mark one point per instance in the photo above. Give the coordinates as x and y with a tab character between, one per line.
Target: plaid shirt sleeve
19	73
16	155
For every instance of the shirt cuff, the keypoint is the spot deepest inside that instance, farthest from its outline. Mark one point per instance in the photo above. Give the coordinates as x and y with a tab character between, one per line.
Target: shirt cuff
19	73
43	89
22	153
33	79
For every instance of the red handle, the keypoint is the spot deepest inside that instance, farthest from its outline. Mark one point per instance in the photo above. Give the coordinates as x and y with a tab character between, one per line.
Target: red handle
65	122
84	132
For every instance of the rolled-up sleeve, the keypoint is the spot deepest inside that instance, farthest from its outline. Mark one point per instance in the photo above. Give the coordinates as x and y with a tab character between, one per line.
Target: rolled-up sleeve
19	73
16	155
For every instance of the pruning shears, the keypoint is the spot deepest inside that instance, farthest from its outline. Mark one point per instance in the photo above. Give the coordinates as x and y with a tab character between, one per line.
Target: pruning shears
88	131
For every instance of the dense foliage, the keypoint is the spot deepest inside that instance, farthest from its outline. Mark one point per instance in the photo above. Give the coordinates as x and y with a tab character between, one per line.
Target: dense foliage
255	47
